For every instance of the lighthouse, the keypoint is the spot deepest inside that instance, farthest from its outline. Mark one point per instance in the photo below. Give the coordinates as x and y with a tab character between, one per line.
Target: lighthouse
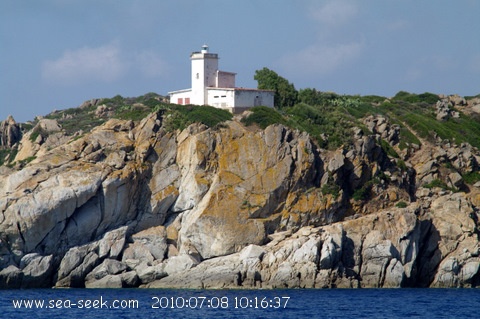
213	87
204	72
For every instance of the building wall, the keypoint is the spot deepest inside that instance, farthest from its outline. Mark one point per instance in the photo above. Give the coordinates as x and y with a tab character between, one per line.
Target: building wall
225	79
221	98
248	98
181	98
204	74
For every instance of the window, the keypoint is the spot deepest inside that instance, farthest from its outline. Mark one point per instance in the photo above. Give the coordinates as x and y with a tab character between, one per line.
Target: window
180	101
187	100
198	76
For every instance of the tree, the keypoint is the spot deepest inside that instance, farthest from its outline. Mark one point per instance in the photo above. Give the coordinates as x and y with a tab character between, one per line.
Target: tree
309	96
285	93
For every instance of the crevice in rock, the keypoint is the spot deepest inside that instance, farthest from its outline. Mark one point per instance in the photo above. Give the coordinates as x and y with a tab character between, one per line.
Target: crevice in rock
19	228
426	273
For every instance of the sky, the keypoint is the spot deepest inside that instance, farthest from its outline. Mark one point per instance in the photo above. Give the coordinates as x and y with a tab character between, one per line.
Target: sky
56	54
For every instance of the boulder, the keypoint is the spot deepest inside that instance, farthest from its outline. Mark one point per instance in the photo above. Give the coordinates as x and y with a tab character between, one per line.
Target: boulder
154	240
10	132
147	273
75	265
37	271
107	267
11	277
112	243
130	279
137	251
109	281
179	263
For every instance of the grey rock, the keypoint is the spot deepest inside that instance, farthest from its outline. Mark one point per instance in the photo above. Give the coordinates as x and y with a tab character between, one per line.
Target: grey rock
455	179
469	270
107	267
336	162
109	281
179	263
147	273
11	277
130	279
10	133
154	240
116	159
75	265
112	243
137	251
252	251
37	271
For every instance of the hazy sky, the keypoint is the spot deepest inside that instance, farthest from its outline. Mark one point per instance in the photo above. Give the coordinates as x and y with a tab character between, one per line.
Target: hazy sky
55	54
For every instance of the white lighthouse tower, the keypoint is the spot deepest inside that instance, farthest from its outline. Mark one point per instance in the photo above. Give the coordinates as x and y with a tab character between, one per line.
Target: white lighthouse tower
204	74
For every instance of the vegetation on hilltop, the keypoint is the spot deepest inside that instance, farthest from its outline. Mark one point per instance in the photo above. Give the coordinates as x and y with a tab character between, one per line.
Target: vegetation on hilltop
330	117
285	93
135	109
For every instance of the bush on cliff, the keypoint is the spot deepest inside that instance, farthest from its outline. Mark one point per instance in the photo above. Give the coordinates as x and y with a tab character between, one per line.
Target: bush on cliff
264	116
178	117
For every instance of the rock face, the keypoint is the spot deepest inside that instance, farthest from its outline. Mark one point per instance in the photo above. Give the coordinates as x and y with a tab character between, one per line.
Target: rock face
10	132
130	205
393	248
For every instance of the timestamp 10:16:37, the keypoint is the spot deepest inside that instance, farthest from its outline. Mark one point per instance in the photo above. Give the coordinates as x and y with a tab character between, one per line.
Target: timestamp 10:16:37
199	302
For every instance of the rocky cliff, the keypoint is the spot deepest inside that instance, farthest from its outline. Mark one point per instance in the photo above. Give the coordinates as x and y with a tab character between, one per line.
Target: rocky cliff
131	204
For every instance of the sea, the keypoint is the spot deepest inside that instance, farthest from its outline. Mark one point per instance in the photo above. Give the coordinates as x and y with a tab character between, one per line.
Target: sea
266	304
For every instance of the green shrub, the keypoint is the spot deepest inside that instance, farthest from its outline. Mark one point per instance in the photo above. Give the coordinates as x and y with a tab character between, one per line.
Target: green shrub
208	115
134	113
361	193
436	183
38	131
116	100
372	99
387	148
401	204
178	117
264	116
471	97
175	120
401	164
426	98
4	153
346	101
331	189
471	178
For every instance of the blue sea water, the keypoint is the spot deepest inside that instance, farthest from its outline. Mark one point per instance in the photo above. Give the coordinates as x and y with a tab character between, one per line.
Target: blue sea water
266	304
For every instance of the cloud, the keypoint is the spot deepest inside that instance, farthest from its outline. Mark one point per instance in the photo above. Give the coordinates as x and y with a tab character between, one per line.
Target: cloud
334	13
102	64
333	47
322	59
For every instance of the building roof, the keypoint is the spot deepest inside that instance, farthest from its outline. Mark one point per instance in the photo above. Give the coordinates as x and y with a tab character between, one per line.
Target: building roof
237	89
179	91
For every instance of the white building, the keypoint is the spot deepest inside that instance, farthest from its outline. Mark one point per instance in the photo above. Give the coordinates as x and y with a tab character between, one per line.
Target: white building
213	87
